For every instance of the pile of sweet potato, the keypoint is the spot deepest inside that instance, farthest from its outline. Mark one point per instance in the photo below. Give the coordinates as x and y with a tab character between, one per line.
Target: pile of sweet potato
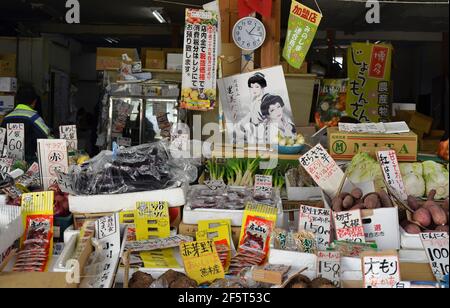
427	217
357	201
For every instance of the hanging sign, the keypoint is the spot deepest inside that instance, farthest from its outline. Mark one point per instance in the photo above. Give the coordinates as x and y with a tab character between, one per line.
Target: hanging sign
16	140
200	60
369	73
302	28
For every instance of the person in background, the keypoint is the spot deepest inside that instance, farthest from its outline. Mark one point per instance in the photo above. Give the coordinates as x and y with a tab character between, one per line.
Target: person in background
35	127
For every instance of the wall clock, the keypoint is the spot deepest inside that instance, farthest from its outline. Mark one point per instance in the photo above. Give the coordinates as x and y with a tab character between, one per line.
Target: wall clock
249	33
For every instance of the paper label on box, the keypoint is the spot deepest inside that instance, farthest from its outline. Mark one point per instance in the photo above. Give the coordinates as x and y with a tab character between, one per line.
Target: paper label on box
263	185
53	159
201	261
391	171
5	164
101	274
2	139
329	266
152	220
381	271
160	258
436	246
317	221
69	133
349	226
323	169
16	140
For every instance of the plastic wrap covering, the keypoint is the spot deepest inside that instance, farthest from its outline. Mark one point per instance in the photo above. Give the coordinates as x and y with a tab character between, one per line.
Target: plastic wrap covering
142	168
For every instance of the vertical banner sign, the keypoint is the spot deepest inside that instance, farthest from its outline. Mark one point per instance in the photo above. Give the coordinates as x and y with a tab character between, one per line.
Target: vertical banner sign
329	266
2	139
391	171
69	133
317	221
52	154
200	60
323	169
436	247
16	140
369	73
349	226
302	28
381	270
100	274
263	184
201	261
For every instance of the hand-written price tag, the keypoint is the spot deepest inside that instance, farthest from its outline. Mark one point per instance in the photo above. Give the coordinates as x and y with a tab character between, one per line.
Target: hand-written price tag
201	261
323	169
53	159
101	271
65	183
317	221
391	171
329	266
16	140
381	270
215	184
263	184
349	226
5	164
124	141
69	133
152	220
2	139
436	246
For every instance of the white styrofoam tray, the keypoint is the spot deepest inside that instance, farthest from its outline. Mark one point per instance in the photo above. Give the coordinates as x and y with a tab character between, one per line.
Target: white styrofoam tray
296	260
11	226
176	197
410	241
302	193
67	253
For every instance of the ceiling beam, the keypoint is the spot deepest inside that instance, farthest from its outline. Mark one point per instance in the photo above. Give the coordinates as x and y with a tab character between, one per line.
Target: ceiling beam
101	29
386	36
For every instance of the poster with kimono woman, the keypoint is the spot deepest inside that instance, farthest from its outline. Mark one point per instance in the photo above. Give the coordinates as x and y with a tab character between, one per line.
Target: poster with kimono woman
254	101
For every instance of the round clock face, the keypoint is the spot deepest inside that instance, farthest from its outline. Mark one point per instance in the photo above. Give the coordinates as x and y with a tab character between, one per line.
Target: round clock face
249	33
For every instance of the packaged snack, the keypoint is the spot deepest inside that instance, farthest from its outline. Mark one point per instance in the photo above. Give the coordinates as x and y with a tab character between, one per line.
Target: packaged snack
37	242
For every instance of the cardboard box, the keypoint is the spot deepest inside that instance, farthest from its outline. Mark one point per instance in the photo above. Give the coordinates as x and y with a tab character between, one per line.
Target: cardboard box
8	65
6	103
153	59
344	145
175	61
8	84
302	70
430	144
231	59
381	226
111	58
191	230
420	122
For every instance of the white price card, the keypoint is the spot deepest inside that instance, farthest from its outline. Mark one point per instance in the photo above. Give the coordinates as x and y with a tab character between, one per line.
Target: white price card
323	169
381	270
329	266
16	140
69	133
391	171
2	139
436	246
101	271
317	221
349	226
65	183
263	184
5	164
53	159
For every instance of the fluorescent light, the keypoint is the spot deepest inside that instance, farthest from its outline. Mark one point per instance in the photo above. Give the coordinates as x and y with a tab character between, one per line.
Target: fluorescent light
159	17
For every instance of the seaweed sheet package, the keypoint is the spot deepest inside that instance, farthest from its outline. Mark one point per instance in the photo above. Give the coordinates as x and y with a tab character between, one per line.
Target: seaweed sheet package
254	241
36	244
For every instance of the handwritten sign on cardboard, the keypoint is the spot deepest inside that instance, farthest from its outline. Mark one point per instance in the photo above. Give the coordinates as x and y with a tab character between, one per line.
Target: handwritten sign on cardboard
349	226
317	221
436	246
391	171
380	269
329	266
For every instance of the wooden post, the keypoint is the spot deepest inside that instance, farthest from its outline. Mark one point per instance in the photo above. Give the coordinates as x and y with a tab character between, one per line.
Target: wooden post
270	51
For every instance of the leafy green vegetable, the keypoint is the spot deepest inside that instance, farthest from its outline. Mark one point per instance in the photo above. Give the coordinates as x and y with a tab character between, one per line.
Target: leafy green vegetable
436	177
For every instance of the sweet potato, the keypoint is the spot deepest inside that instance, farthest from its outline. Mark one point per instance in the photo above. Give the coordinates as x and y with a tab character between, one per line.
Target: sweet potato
342	195
432	195
372	201
412	229
428	204
442	228
358	206
385	199
357	193
348	202
337	204
438	214
412	203
445	205
423	217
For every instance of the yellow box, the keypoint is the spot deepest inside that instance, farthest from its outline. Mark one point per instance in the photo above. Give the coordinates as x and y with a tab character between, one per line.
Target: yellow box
111	58
344	145
8	65
153	59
